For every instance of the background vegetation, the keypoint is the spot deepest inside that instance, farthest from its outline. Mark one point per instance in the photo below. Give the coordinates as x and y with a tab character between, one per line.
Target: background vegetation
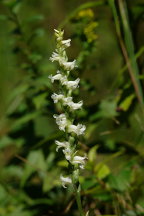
108	42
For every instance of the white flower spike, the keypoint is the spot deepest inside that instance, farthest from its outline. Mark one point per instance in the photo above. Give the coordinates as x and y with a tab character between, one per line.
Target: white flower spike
65	98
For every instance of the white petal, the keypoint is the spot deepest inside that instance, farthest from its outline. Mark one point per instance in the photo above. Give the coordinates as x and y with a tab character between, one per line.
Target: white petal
79	160
75	106
57	97
67	100
63	80
61	144
69	65
61	121
56	57
65	181
56	31
68	153
72	84
59	34
66	43
78	129
58	76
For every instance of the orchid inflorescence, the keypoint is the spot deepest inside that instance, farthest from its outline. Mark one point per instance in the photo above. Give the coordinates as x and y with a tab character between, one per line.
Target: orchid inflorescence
65	121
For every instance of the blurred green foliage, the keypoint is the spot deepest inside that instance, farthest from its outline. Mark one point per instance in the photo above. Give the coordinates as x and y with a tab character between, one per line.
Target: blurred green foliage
112	182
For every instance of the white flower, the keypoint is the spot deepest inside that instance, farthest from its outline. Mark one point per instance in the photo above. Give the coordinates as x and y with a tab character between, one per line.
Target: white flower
58	76
69	65
65	181
66	43
57	97
56	31
79	160
67	100
75	106
62	144
68	153
71	84
59	34
61	121
56	57
63	79
78	129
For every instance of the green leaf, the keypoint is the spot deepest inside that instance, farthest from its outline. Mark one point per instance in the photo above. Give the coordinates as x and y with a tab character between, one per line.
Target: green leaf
108	108
51	180
12	171
121	181
3	17
50	159
35	57
88	183
40	32
44	126
40	100
3	193
35	163
35	18
62	163
102	170
10	3
17	7
23	120
103	196
92	153
90	129
125	104
7	141
137	10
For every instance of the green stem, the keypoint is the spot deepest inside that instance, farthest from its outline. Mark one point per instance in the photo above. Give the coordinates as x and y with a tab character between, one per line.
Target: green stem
127	47
78	199
130	49
123	69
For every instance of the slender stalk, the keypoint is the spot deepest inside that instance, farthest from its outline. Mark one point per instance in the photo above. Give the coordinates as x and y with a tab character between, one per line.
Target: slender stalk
78	199
124	68
128	50
137	55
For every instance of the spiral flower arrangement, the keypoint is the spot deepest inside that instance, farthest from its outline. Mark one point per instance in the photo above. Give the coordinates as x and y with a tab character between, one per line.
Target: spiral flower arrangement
66	120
